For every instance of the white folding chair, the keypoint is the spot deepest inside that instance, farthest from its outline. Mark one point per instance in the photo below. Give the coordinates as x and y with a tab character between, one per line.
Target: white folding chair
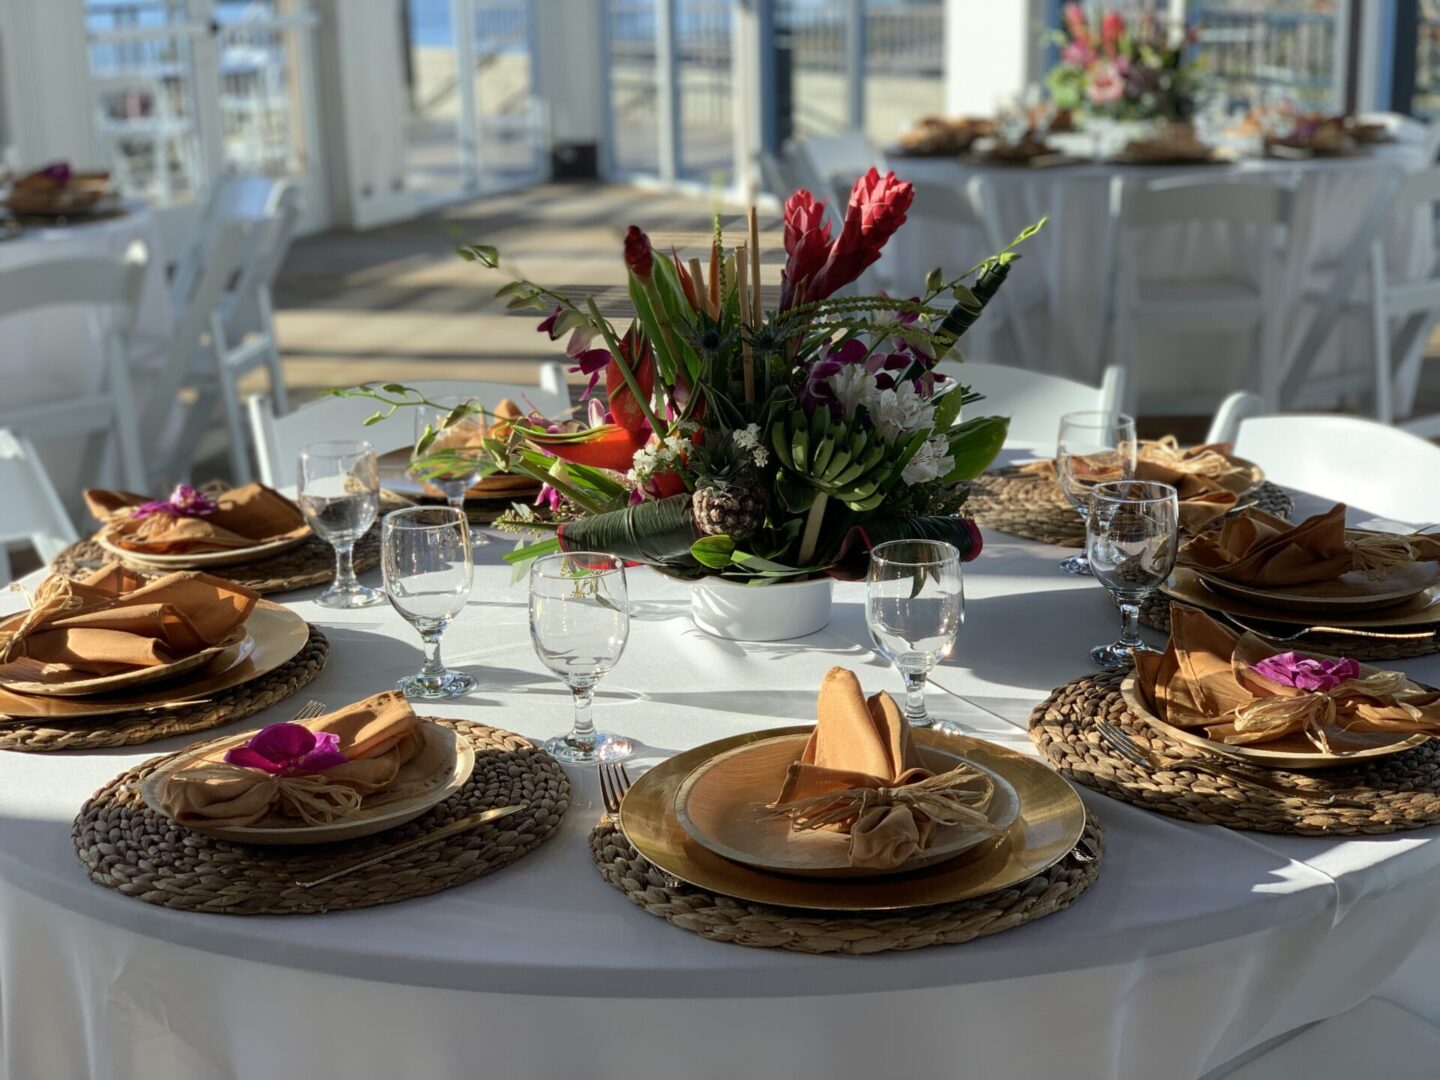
1370	466
1241	405
33	511
109	410
1261	206
1034	400
278	440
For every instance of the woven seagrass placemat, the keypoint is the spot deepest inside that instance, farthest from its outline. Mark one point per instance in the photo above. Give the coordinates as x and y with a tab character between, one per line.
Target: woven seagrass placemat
760	926
126	846
1399	792
127	729
311	563
1155	613
1034	508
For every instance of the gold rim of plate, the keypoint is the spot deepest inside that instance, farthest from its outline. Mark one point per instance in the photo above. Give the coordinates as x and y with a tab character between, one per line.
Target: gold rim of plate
1297	759
239	641
204	559
1051	821
749	777
277	633
1421	610
375	817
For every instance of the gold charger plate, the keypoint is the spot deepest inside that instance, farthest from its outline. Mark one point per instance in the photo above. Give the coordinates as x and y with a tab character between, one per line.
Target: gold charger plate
722	805
202	560
1349	592
1052	819
376	814
1420	611
277	633
12	675
1290	752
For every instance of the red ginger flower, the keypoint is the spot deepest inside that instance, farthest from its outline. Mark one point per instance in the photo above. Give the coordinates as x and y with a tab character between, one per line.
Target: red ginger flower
1076	24
1112	28
807	244
639	256
877	210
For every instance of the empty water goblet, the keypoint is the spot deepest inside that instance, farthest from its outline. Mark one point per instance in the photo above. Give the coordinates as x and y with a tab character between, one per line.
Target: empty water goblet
426	562
1091	446
339	494
1132	535
454	448
579	623
914	605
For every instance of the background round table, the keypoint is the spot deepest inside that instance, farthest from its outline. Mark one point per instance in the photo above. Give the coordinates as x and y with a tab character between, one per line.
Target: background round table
1195	945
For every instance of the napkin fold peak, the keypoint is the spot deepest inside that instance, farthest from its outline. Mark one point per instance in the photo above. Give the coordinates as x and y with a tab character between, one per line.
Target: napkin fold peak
243	517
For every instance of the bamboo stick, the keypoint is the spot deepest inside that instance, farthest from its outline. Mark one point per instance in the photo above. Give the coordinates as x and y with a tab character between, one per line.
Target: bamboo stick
742	288
757	308
698	280
714	280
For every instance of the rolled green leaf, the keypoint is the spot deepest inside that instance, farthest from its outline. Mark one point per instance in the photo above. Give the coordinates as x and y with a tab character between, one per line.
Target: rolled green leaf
963	315
659	532
853	559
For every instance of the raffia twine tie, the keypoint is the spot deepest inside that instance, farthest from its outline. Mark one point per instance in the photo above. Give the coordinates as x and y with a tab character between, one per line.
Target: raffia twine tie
1313	711
957	797
54	597
159	522
312	798
1378	554
1166	451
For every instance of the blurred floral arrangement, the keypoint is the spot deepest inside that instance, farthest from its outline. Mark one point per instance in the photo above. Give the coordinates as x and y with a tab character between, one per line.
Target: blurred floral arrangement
760	445
1124	69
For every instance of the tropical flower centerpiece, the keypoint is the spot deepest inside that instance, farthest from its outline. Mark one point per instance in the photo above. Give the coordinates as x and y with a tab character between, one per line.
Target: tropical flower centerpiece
758	445
1122	69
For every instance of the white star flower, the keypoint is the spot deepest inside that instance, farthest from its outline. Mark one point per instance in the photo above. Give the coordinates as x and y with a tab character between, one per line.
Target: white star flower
931	462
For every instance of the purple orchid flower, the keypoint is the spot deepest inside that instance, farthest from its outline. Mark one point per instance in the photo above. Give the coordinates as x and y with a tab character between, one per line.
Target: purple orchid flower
548	498
817	390
184	501
57	172
1307	672
288	750
547	325
590	362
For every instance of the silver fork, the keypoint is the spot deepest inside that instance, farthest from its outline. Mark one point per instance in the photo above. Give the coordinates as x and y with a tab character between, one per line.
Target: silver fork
614	783
310	710
1344	631
1127	749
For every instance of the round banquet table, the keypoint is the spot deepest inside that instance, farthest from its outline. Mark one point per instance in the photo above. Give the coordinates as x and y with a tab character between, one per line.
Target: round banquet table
1196	945
1063	280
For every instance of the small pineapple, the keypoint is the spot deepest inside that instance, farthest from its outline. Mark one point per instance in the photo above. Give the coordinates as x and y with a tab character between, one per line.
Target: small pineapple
727	500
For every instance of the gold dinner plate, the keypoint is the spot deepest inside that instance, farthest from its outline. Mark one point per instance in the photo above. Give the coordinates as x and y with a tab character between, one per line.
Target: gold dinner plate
200	560
1051	821
26	676
377	812
1420	611
722	805
1289	752
277	635
1349	592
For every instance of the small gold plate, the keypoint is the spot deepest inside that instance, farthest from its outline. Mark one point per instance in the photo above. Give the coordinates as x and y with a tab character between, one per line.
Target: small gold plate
277	633
1051	821
1420	611
1291	752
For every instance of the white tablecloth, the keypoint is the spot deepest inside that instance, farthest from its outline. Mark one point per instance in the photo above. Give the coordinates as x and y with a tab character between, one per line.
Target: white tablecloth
1195	944
1063	277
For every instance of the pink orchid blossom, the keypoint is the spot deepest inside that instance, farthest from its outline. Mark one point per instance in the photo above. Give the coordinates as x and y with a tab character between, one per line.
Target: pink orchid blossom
288	750
184	501
1307	672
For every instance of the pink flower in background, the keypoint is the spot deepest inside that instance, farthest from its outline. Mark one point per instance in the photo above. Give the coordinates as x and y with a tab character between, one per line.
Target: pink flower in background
1078	54
1307	672
184	501
1107	86
288	750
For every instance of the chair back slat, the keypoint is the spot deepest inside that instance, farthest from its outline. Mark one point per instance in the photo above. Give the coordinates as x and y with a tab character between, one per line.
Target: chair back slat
75	281
1234	202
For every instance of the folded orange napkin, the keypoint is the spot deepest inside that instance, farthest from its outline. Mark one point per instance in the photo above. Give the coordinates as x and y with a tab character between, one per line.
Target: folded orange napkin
385	748
1256	548
859	773
1241	691
114	621
242	517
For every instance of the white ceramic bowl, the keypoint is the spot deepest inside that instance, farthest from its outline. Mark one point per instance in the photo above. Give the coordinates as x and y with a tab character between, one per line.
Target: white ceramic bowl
771	612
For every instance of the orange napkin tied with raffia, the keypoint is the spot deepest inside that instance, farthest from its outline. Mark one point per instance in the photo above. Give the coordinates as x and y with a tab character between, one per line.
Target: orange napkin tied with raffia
314	772
1256	548
114	621
860	774
194	522
1239	690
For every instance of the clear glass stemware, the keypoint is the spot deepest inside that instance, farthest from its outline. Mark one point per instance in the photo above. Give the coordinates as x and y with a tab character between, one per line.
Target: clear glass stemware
426	561
464	433
579	623
914	605
339	494
1132	536
1091	446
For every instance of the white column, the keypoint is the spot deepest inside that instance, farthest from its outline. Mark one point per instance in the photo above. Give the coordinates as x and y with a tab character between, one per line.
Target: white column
570	78
991	50
463	12
48	110
363	111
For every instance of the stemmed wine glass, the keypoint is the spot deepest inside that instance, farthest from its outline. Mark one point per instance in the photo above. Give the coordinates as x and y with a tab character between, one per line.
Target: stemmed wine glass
579	622
914	605
426	562
1132	536
1091	446
339	493
461	439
